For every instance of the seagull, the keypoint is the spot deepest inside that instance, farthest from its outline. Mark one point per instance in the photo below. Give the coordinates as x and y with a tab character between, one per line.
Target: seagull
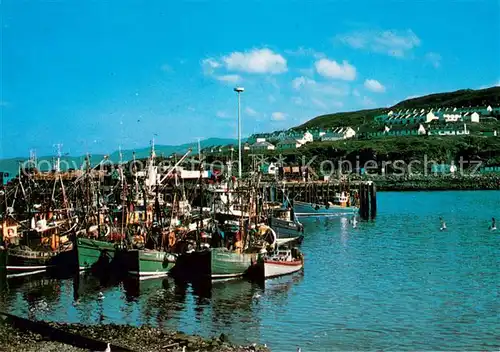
108	349
298	349
493	226
443	224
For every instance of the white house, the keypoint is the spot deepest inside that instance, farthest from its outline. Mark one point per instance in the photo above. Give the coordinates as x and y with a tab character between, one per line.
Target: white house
452	117
307	137
262	145
406	130
474	117
289	144
447	130
338	133
431	117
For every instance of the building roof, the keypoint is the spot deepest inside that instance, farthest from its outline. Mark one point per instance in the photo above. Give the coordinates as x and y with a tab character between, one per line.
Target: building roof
262	144
405	127
288	141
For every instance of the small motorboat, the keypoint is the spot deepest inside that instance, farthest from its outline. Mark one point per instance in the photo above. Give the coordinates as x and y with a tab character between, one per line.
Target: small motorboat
283	261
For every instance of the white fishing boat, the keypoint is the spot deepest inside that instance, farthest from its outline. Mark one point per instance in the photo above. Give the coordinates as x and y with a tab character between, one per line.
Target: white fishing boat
283	262
341	204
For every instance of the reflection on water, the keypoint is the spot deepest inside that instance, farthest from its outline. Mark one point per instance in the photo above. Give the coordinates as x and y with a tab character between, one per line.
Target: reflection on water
396	283
207	308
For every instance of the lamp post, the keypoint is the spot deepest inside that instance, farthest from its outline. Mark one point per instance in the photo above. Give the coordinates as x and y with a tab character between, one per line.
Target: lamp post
239	90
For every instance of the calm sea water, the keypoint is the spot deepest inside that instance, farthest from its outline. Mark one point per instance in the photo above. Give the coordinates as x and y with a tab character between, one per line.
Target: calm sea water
397	283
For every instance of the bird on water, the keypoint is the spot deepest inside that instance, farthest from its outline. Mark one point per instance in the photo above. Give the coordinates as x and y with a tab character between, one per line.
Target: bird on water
493	226
443	224
108	349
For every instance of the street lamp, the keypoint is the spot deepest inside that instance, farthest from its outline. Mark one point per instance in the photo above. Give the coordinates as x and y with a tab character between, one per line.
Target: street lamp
239	90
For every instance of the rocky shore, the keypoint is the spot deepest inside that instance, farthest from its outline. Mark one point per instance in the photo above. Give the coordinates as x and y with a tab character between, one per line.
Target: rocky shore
144	338
433	183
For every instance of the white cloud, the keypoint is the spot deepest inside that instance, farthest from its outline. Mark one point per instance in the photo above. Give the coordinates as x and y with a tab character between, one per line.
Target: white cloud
251	112
229	78
209	65
355	92
302	81
368	102
278	116
256	61
324	88
395	43
434	59
319	103
222	114
374	86
332	69
271	98
297	100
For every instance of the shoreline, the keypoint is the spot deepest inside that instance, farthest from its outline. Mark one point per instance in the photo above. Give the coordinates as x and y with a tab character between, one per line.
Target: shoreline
18	334
445	183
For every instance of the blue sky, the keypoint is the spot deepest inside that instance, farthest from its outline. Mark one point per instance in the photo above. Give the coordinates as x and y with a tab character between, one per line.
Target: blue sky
94	75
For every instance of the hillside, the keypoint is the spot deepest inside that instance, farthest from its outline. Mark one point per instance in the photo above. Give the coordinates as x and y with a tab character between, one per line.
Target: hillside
465	97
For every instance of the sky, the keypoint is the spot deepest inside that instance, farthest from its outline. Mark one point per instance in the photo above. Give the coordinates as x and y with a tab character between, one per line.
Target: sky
96	75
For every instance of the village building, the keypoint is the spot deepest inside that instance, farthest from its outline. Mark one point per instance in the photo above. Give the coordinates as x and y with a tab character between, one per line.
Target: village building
289	144
261	145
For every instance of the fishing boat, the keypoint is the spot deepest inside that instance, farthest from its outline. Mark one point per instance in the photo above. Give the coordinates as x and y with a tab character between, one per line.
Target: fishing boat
340	204
283	261
38	250
286	225
93	252
147	263
229	264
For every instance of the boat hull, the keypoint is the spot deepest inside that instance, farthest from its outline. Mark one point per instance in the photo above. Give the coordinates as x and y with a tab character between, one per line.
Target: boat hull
275	269
23	262
285	229
309	209
226	264
94	252
149	263
193	266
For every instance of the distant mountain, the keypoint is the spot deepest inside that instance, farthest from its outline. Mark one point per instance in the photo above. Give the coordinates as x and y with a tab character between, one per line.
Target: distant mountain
459	98
11	165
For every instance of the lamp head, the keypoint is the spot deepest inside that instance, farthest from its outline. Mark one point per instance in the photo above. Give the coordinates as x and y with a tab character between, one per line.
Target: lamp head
239	89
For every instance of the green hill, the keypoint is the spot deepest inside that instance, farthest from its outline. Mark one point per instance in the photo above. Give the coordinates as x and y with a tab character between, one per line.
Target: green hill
460	98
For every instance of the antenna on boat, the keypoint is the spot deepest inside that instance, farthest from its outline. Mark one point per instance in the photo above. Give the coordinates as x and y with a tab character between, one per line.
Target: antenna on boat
120	153
33	160
153	146
57	166
199	150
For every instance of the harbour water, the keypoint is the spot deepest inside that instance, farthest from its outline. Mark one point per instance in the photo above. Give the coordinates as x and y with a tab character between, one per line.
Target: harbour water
397	283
